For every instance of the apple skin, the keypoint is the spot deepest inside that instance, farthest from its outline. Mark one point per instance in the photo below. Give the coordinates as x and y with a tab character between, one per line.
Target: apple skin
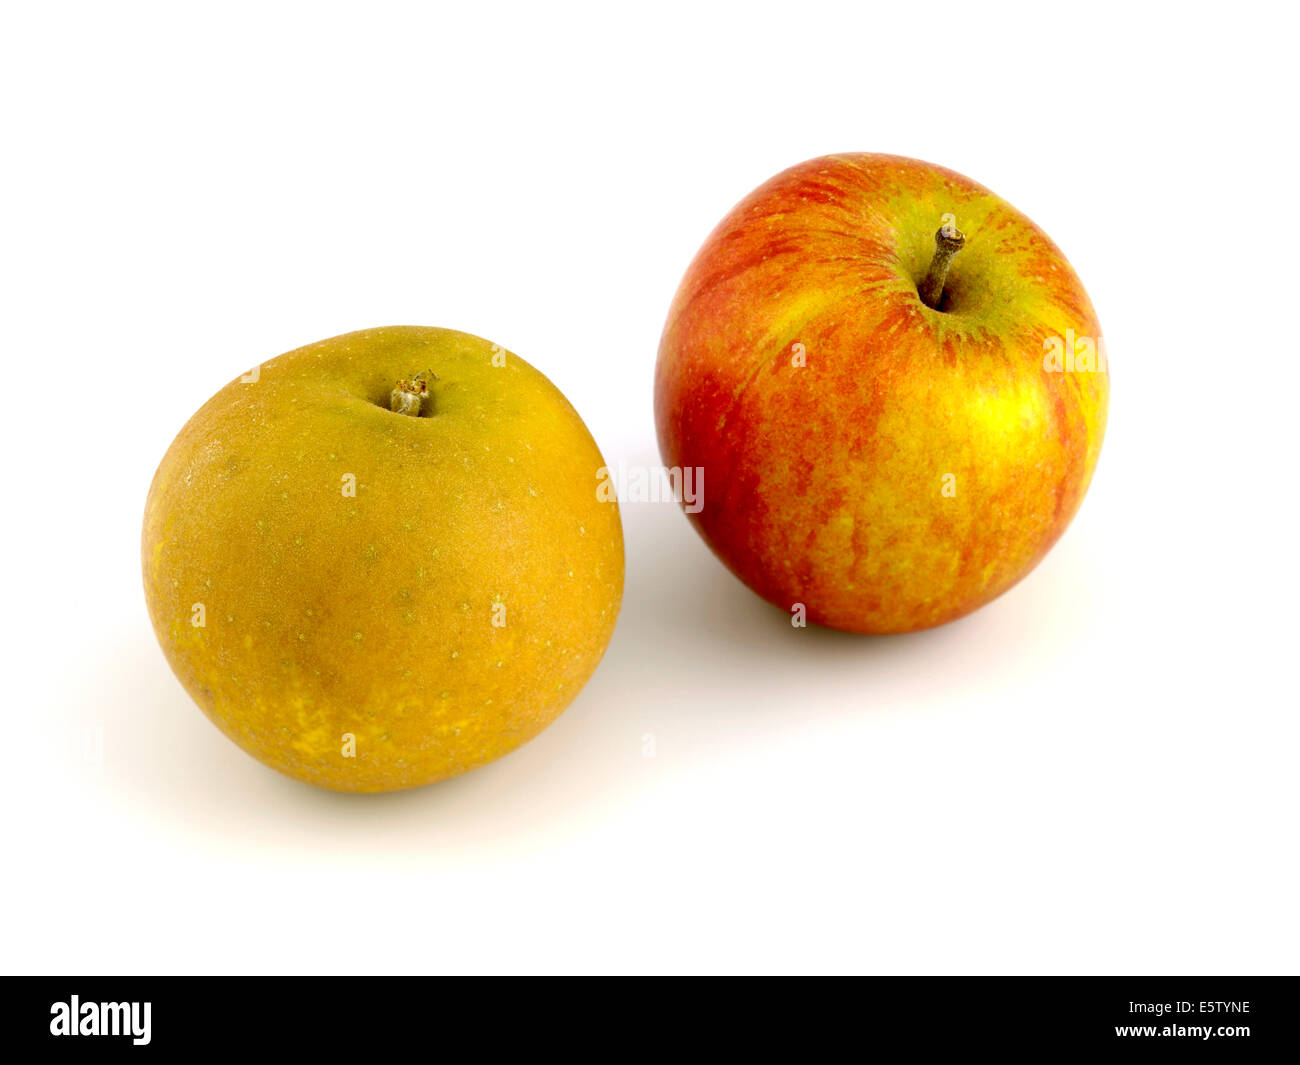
919	462
386	601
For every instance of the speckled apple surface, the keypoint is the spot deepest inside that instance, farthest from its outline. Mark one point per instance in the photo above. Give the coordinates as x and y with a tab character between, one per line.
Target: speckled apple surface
888	465
384	600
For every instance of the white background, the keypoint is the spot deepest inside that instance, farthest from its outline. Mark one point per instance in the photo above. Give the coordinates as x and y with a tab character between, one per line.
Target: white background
1096	773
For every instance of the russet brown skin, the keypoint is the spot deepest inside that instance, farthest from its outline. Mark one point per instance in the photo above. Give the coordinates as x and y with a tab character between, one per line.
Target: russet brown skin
367	600
888	465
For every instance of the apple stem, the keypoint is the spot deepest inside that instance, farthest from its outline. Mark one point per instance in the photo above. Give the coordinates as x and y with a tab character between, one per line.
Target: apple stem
408	394
947	243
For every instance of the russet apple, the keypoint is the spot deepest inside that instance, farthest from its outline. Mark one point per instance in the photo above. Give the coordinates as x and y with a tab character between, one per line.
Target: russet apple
380	560
896	385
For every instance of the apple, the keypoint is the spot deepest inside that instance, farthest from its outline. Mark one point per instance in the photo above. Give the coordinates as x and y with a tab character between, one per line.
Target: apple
896	385
381	560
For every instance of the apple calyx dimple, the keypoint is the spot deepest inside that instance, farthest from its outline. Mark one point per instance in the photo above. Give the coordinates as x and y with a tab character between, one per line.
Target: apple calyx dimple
408	394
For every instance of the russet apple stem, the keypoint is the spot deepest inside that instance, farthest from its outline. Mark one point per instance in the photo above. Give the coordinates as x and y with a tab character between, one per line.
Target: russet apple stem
408	394
947	243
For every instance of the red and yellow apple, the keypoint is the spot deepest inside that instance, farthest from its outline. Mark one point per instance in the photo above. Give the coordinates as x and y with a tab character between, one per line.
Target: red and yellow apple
890	462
